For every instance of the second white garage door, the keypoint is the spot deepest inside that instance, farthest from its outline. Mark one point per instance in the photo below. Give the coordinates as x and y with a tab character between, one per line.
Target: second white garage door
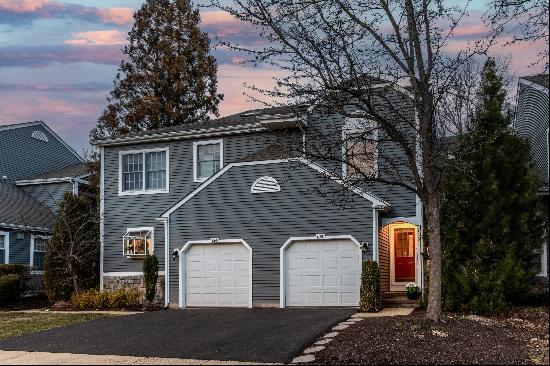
322	273
218	275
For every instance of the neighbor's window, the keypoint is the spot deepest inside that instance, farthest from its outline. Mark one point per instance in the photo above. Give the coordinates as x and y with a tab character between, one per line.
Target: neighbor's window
138	242
3	243
39	252
208	159
144	171
360	154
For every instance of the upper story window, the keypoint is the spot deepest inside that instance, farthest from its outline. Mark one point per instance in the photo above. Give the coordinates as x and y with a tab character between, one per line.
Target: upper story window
143	171
207	159
360	147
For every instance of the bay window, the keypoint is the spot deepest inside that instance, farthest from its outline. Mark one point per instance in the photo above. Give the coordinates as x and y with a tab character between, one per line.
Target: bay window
138	242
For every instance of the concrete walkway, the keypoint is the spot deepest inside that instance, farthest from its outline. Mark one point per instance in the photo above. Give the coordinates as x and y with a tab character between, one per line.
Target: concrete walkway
47	358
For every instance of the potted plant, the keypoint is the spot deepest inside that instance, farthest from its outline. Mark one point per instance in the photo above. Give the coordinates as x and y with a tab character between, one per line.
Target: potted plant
413	291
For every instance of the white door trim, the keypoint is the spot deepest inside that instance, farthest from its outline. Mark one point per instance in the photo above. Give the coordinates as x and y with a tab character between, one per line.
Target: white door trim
182	270
282	282
400	286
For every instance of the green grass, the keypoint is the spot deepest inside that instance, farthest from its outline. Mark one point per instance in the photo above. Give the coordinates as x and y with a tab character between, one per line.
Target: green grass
16	324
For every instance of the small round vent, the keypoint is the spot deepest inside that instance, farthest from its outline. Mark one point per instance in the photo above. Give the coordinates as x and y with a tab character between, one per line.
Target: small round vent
265	184
39	135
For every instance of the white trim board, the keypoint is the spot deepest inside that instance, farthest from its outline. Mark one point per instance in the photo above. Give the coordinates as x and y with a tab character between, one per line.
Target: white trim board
125	274
289	242
182	271
101	216
533	85
376	202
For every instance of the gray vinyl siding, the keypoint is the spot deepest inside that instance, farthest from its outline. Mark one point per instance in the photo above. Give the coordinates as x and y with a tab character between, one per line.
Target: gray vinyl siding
122	212
49	194
227	210
24	156
20	248
324	137
532	123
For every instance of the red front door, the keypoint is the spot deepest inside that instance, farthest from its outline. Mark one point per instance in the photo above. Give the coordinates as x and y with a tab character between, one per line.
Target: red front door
404	254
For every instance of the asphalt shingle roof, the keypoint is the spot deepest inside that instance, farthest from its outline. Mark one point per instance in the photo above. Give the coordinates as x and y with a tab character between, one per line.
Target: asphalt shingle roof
541	79
70	171
20	209
242	118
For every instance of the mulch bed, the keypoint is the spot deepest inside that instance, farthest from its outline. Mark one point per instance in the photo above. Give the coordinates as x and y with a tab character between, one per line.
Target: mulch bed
519	336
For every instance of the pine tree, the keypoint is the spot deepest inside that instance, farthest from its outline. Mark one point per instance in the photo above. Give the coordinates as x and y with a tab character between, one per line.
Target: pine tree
168	77
492	221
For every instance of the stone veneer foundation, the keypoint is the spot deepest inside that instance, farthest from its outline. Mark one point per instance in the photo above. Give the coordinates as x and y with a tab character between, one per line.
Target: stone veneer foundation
111	283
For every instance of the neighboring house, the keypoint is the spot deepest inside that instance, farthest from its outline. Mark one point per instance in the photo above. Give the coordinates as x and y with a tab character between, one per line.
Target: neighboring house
233	216
532	122
36	168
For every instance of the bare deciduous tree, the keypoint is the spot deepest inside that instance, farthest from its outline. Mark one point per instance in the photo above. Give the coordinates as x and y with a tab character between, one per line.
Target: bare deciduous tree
351	56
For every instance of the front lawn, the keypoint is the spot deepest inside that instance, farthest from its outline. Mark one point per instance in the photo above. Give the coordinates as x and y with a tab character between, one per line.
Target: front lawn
519	336
15	323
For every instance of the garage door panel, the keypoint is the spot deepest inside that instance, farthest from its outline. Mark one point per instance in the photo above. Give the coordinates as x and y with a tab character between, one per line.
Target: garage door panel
327	274
218	275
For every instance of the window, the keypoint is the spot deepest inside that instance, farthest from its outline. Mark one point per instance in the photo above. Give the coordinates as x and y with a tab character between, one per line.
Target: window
138	242
360	154
144	171
207	158
39	245
360	147
3	248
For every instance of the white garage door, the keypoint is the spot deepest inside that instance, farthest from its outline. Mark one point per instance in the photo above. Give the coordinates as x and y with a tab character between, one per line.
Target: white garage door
217	275
323	273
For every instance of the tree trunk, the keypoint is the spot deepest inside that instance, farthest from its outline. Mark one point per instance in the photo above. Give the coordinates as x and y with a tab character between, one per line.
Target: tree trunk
434	255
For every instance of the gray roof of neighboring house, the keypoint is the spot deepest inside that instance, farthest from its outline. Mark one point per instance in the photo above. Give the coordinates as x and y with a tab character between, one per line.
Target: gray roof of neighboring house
32	148
68	172
541	79
20	210
239	119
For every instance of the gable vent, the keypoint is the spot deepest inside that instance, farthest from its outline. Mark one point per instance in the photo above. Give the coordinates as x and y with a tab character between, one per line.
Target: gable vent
265	184
39	135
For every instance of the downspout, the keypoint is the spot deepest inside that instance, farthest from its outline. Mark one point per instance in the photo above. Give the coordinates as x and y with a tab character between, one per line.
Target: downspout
166	222
375	235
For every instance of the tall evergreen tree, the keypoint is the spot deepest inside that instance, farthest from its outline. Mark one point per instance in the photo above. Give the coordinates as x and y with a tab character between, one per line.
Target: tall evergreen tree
168	77
492	221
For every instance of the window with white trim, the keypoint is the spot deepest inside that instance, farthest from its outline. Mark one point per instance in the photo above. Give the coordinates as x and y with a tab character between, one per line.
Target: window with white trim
40	244
207	158
138	242
144	171
3	247
360	147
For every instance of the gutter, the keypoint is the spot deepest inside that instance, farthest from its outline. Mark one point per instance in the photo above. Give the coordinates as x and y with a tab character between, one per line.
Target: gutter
23	227
180	135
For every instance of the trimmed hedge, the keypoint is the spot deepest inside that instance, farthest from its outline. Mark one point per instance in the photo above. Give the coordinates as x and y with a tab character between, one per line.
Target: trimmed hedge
18	269
370	288
10	288
122	299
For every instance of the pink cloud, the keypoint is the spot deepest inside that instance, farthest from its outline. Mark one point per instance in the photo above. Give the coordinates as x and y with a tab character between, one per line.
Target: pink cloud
24	11
120	16
98	38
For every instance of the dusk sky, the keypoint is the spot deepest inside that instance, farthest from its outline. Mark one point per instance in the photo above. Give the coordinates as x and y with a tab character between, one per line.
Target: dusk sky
58	59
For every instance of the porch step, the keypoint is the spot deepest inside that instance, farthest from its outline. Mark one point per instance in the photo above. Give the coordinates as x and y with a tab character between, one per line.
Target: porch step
398	300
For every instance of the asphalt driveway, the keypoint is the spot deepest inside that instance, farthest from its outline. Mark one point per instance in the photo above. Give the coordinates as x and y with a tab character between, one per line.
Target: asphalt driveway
257	335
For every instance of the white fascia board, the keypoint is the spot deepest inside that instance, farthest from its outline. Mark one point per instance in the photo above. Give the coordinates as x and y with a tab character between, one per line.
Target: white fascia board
376	202
27	182
181	135
62	142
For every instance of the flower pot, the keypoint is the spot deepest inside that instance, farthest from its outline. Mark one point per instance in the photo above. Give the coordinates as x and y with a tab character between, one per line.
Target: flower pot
413	295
